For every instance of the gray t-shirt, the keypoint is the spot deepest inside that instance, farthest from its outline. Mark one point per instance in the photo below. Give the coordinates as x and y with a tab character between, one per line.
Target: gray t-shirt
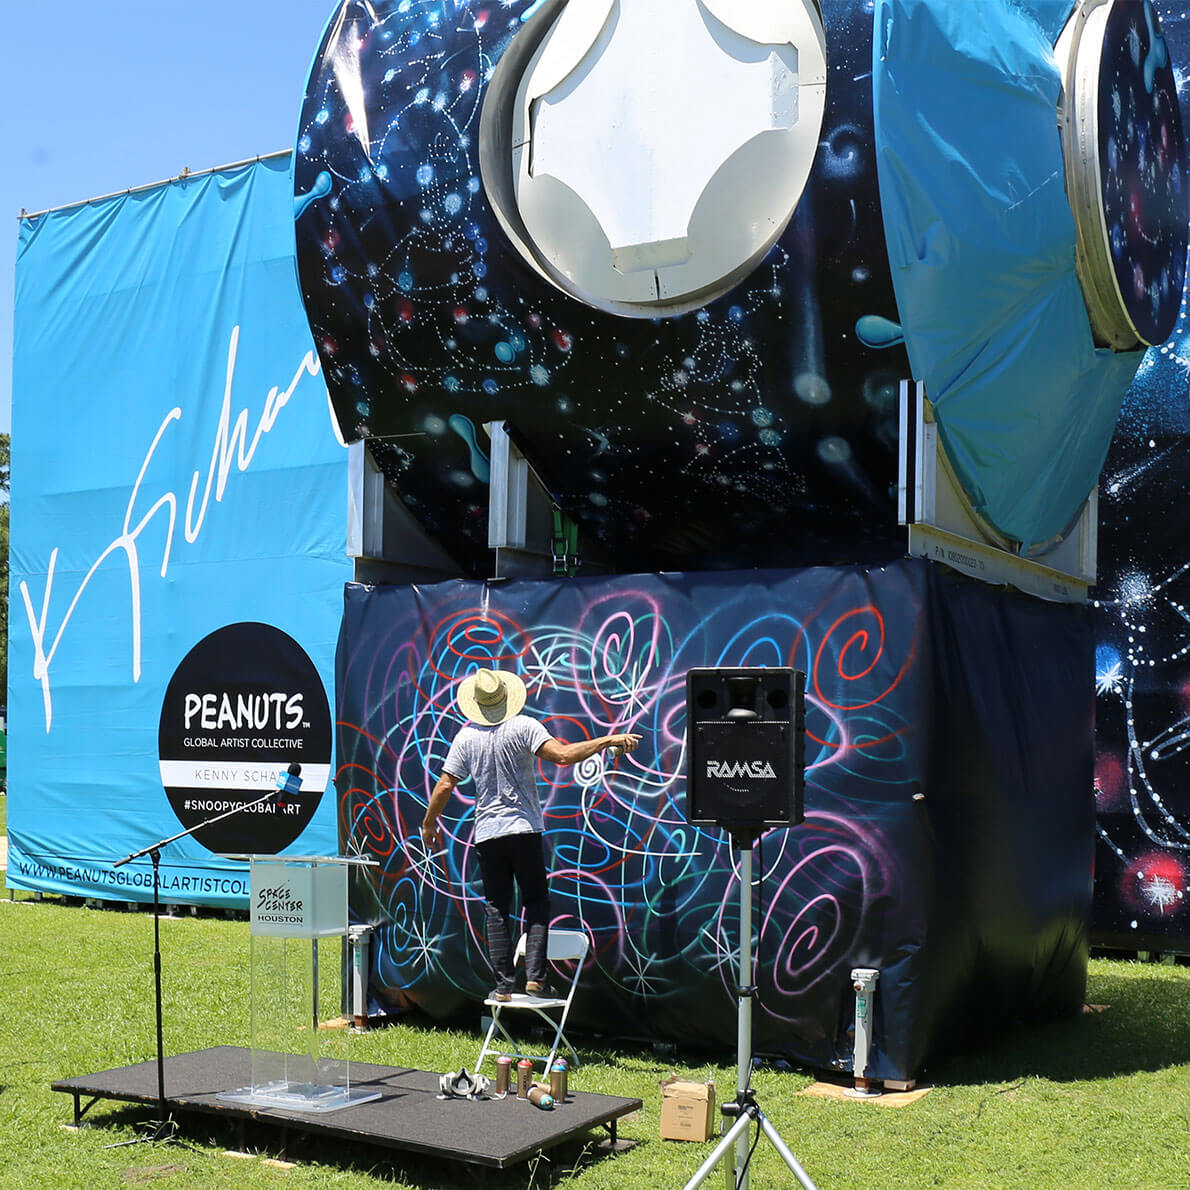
500	759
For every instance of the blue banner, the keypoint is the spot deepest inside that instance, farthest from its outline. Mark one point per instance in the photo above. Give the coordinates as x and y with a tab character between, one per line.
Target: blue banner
178	541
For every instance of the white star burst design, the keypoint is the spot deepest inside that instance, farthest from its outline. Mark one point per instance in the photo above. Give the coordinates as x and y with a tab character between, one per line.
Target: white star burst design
1160	892
1110	680
547	665
723	953
637	975
422	949
357	848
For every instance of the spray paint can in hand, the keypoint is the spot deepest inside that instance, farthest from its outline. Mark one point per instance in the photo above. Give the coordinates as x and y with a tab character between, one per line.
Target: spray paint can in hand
524	1075
503	1074
558	1081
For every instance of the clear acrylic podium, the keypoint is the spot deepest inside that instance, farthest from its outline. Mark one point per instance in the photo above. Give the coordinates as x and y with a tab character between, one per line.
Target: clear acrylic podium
296	901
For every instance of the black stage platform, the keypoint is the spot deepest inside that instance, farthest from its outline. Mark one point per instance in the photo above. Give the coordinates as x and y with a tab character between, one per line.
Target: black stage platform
408	1115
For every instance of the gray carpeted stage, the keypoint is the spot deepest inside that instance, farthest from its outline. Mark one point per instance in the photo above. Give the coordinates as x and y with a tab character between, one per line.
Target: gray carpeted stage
408	1115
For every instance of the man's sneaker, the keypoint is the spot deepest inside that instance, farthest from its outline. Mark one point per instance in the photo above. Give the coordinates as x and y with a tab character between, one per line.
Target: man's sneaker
541	990
499	996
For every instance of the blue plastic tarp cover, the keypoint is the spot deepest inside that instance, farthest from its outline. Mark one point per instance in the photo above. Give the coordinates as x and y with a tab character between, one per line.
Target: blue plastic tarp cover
982	249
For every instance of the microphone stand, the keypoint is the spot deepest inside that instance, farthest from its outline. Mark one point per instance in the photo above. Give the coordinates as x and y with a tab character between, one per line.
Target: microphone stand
165	1128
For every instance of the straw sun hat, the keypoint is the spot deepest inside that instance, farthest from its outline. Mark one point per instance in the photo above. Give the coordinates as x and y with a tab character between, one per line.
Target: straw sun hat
489	696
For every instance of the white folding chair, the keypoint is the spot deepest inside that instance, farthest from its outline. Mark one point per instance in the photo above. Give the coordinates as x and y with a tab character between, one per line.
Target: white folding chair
563	945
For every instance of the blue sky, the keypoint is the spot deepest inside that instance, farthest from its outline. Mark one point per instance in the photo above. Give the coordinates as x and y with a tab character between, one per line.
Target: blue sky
103	96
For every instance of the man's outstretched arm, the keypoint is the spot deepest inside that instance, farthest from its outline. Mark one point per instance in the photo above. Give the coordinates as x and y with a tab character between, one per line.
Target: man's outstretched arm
560	752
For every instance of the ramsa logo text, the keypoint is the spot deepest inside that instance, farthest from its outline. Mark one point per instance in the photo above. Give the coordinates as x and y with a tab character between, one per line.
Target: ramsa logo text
756	769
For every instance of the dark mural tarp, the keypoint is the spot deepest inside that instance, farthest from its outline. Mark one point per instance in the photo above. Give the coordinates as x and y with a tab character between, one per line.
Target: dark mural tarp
948	832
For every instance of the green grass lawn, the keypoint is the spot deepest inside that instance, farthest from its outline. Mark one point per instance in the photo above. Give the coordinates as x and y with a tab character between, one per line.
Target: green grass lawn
1100	1101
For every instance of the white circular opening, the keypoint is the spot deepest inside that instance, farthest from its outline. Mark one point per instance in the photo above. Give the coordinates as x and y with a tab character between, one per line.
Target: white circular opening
644	155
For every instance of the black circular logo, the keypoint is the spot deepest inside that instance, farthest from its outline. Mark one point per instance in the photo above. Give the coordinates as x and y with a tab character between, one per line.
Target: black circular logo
245	703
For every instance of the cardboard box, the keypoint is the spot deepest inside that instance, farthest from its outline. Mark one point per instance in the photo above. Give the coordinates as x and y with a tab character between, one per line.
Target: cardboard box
687	1110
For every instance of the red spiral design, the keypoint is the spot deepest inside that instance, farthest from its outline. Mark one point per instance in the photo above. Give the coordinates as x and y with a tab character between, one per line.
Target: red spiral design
363	820
869	652
490	637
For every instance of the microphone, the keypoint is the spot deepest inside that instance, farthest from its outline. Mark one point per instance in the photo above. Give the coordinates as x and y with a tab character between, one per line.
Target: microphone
289	784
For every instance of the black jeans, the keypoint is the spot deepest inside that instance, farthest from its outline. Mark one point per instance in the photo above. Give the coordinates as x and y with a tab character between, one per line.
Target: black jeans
503	861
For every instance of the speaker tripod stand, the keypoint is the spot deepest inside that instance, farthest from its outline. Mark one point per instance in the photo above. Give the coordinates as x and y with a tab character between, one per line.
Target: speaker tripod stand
733	1149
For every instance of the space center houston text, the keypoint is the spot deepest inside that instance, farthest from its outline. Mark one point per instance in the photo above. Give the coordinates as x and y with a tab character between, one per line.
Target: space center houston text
279	905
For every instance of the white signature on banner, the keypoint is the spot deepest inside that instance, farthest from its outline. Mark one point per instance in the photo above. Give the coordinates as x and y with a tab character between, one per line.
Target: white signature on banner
231	447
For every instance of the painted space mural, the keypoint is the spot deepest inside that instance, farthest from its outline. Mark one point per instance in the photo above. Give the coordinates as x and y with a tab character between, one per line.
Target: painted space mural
658	897
1142	771
672	441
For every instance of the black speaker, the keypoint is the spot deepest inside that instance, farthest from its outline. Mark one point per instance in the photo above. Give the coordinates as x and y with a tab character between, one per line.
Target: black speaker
745	748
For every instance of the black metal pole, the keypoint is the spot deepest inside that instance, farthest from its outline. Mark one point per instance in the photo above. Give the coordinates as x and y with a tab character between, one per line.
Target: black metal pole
164	1129
165	1126
155	856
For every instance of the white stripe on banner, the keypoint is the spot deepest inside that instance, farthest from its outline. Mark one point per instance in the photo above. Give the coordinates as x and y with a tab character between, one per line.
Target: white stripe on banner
238	775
